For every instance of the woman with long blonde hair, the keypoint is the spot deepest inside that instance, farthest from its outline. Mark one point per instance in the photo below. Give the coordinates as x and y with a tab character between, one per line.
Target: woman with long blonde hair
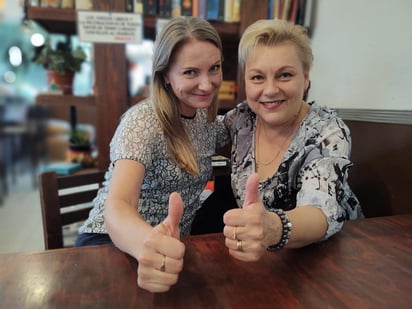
161	155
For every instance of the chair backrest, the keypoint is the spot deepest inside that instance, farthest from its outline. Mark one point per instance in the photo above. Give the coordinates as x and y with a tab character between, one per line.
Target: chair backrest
65	200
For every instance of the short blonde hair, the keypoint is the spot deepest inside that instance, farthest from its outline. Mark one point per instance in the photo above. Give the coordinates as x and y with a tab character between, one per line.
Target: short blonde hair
271	32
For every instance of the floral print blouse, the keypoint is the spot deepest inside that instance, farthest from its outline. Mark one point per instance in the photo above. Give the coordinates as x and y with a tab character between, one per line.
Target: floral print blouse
313	171
139	137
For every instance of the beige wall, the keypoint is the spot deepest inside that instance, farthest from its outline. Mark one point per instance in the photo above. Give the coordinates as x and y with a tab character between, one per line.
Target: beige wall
363	54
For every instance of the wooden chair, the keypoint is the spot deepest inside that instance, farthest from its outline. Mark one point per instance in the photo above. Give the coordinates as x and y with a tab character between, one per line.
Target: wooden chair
65	200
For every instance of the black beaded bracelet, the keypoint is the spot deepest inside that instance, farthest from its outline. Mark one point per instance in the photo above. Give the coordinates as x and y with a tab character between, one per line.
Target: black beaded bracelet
286	230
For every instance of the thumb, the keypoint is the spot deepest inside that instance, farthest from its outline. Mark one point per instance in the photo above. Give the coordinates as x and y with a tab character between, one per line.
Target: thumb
252	190
171	223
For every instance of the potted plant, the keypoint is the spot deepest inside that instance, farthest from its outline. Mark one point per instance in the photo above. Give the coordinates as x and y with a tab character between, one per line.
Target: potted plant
79	140
80	146
61	62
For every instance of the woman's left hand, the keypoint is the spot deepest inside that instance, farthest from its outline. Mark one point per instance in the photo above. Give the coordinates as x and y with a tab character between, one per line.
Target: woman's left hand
250	229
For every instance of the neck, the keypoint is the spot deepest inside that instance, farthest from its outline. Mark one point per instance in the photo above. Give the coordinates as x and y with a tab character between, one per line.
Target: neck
273	133
269	141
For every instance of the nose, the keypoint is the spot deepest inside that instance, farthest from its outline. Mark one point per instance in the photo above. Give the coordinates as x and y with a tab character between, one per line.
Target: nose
271	87
205	83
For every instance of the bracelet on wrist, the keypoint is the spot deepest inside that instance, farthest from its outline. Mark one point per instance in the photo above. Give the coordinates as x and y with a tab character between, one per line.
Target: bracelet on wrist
286	230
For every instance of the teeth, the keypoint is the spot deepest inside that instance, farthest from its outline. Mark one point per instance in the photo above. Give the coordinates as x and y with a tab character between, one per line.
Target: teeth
272	103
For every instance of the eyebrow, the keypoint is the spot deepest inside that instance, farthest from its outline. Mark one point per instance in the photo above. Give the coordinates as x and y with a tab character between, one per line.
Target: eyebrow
197	68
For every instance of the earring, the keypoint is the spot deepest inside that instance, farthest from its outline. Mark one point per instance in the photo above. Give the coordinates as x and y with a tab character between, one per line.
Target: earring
167	87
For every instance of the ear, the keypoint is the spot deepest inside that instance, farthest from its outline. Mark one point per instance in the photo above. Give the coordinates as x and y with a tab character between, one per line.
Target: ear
307	82
307	86
166	78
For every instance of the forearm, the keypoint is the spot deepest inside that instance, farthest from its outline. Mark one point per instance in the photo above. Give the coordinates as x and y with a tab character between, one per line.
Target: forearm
125	227
309	225
122	220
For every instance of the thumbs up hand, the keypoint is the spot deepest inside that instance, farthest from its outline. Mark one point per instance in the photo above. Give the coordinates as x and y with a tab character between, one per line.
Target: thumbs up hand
171	223
252	190
161	259
245	228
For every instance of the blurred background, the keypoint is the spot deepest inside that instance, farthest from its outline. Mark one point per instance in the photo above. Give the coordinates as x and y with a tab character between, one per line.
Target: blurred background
23	124
22	80
29	137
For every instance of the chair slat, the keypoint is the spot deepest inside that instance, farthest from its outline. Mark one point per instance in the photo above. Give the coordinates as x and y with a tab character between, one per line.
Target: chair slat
75	216
77	198
53	200
76	180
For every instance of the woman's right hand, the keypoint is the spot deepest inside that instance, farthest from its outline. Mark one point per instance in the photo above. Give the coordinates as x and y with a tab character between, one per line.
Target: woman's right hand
250	229
161	259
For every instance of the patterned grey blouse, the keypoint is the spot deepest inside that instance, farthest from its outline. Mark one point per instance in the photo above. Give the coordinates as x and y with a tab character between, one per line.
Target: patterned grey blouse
313	171
140	138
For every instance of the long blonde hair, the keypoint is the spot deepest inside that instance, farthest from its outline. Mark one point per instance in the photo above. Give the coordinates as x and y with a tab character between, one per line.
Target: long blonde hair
174	34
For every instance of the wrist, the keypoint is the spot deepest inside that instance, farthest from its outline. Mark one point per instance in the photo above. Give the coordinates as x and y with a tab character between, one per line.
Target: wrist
286	230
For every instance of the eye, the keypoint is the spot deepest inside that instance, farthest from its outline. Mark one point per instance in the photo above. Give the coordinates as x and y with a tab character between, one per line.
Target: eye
257	77
285	75
189	73
215	68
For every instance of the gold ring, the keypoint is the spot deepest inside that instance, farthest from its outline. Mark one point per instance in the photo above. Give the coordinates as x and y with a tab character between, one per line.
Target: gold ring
239	246
234	233
163	265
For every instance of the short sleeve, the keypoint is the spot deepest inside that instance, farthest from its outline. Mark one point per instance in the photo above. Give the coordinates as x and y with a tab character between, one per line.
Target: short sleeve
135	135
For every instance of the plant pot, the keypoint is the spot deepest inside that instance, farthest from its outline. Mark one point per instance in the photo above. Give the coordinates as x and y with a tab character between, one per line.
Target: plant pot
61	81
80	147
80	153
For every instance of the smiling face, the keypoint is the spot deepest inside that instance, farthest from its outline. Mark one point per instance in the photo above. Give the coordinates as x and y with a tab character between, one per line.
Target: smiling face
275	82
195	75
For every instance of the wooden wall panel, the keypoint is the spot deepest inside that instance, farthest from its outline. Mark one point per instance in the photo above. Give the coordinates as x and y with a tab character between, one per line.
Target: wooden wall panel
382	172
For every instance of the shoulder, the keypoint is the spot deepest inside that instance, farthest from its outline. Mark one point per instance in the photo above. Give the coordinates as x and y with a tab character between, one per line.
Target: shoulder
323	118
239	115
323	129
319	112
241	109
138	120
143	108
139	115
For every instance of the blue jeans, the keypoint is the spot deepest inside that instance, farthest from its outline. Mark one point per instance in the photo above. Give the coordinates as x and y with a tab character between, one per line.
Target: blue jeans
91	239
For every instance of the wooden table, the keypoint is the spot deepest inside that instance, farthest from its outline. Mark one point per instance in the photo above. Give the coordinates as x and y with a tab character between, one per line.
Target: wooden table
367	265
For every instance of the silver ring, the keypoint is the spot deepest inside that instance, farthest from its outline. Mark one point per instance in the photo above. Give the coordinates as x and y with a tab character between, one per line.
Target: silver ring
234	233
163	265
239	246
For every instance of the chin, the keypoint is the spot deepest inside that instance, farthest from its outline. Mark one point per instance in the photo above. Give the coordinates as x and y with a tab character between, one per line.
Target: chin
203	104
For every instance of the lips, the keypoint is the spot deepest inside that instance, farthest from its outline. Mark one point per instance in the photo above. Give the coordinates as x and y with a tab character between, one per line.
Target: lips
205	95
272	104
